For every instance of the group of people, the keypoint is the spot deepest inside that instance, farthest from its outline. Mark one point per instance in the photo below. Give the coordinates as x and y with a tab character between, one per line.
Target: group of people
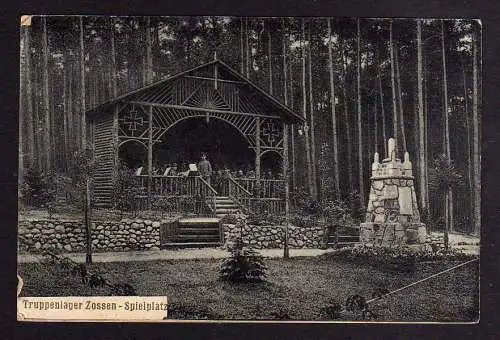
205	170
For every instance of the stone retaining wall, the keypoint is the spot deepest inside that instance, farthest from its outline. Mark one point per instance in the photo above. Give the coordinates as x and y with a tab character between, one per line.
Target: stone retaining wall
69	236
272	236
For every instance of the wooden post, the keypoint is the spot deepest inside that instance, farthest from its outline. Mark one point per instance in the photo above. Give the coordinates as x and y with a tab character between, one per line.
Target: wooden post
286	253
150	156
257	150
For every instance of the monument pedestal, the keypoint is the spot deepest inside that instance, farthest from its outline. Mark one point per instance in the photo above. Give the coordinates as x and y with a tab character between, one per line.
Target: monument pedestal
392	216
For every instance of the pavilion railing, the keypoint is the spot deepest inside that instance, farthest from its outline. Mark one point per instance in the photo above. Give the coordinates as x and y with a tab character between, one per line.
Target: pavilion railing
183	193
193	194
236	192
269	188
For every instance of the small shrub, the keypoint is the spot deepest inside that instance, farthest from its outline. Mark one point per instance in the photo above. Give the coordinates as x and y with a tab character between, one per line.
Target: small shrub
38	188
332	310
243	265
280	314
402	259
357	304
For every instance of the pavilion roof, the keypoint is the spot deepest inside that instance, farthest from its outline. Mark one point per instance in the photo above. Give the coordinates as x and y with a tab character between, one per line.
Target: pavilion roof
264	102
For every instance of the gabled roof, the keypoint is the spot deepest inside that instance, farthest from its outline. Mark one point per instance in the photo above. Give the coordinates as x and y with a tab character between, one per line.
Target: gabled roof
225	69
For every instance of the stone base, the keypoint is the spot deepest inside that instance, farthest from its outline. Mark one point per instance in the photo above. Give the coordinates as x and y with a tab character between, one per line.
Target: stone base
392	234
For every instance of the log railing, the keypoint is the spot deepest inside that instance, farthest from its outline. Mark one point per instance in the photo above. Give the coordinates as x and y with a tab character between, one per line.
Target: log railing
269	188
196	195
238	193
179	189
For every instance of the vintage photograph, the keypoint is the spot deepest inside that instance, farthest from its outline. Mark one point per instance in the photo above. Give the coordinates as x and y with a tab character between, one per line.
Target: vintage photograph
252	168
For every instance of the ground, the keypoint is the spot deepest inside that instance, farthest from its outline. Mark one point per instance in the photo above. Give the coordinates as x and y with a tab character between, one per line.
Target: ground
298	288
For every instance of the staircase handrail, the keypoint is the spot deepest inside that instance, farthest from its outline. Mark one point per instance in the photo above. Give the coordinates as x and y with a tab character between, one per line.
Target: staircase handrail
208	185
211	204
241	187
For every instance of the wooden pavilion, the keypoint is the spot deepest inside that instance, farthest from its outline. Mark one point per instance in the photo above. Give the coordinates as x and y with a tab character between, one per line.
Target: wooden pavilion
210	91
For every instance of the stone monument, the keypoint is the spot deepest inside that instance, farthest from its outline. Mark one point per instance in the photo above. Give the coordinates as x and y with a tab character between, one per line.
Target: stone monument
392	216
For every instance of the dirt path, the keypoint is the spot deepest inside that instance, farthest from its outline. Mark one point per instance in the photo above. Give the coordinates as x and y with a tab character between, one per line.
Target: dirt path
183	254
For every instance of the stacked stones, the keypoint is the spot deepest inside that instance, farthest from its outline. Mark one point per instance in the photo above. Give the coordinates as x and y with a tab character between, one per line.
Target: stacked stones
51	235
69	236
272	236
392	216
126	235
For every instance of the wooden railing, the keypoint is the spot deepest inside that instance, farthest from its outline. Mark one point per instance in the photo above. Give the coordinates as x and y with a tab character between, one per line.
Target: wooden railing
179	189
238	193
269	188
194	194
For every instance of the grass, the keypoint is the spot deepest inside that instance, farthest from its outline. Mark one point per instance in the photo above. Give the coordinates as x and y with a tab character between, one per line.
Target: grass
297	288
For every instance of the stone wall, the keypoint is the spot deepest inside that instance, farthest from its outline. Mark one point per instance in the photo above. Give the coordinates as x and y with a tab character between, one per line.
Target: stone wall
69	236
272	236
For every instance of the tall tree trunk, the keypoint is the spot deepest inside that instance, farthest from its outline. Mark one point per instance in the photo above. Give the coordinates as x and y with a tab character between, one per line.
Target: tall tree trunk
304	114
269	54
247	49
114	91
382	108
242	51
22	110
350	170
30	139
149	54
360	129
82	88
469	147
426	135
393	87
400	101
475	136
314	175
448	194
294	169
421	124
65	115
46	102
335	140
71	119
285	95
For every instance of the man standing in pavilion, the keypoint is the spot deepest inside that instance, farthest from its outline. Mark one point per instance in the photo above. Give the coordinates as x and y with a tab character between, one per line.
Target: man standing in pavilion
205	168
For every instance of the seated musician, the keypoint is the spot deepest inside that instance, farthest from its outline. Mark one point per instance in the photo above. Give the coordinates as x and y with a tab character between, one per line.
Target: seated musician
167	170
173	170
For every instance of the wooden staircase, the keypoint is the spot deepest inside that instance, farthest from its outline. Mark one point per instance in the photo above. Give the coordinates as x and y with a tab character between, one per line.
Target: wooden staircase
224	205
196	232
104	156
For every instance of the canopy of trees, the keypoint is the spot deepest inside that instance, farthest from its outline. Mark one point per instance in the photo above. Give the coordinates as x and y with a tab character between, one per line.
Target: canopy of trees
356	81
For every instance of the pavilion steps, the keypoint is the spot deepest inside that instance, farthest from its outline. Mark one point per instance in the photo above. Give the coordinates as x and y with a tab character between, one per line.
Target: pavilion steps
192	233
224	205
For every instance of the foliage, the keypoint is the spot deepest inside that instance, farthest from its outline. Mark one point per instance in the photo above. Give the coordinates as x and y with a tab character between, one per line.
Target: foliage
400	259
126	190
357	304
243	265
88	278
163	205
444	174
331	310
38	189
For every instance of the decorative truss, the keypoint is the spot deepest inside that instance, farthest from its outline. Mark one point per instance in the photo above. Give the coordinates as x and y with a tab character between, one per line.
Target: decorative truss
207	92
